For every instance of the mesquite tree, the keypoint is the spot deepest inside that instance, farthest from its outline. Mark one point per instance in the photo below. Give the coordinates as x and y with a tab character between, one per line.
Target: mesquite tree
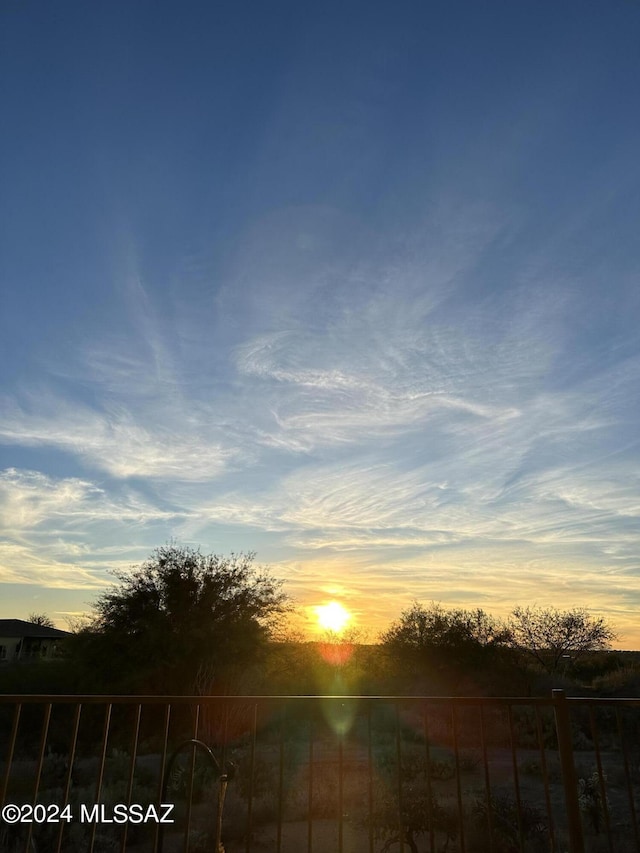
177	616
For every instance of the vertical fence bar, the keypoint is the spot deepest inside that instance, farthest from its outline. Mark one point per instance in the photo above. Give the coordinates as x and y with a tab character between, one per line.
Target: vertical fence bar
370	776
192	770
399	766
225	733
487	780
222	786
545	779
627	775
280	782
340	791
101	764
601	785
570	784
310	790
43	747
516	777
427	773
12	745
134	751
252	773
456	755
132	770
72	756
163	762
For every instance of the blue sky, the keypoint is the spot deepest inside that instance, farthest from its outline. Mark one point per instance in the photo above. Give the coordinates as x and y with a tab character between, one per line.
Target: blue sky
354	286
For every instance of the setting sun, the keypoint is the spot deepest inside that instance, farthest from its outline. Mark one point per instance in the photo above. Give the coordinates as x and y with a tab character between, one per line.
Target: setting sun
332	616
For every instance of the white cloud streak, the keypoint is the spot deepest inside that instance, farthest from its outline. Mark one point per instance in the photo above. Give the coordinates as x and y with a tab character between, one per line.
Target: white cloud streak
388	423
52	529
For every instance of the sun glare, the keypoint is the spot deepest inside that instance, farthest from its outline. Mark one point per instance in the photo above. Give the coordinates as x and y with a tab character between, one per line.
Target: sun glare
332	616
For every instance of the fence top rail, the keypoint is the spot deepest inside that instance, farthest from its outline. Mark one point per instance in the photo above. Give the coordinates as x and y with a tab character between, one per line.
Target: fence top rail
93	699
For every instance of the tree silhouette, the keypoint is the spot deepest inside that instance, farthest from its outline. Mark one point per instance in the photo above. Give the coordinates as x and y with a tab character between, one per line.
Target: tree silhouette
548	635
41	619
462	634
181	619
450	649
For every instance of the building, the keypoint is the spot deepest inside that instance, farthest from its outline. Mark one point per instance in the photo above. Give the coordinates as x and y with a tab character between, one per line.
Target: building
23	641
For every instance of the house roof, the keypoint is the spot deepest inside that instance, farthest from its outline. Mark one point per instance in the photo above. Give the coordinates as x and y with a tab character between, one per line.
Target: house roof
20	628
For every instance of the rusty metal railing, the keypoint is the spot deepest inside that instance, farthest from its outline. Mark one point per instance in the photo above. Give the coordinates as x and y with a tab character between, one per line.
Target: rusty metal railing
324	773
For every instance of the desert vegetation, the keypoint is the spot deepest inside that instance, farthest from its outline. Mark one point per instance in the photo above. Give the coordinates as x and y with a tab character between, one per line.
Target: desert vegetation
188	623
436	774
365	775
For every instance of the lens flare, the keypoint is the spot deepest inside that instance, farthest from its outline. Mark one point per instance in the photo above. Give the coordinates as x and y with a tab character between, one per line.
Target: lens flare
332	617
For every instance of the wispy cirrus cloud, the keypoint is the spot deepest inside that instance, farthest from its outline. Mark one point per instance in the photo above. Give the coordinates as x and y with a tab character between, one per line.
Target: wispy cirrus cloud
58	531
20	564
116	438
30	498
394	433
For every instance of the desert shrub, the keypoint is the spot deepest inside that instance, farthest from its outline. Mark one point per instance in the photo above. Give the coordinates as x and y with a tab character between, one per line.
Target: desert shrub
414	763
205	777
419	810
633	757
442	770
526	729
264	777
590	798
603	845
324	801
76	835
13	838
468	762
118	765
620	682
264	792
54	770
201	841
507	820
530	767
412	734
265	811
533	767
421	813
235	817
580	739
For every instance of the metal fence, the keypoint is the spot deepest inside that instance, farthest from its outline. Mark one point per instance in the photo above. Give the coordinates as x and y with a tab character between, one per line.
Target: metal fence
321	773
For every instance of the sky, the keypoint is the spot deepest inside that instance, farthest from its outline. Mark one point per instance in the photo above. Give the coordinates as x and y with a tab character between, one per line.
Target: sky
354	286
